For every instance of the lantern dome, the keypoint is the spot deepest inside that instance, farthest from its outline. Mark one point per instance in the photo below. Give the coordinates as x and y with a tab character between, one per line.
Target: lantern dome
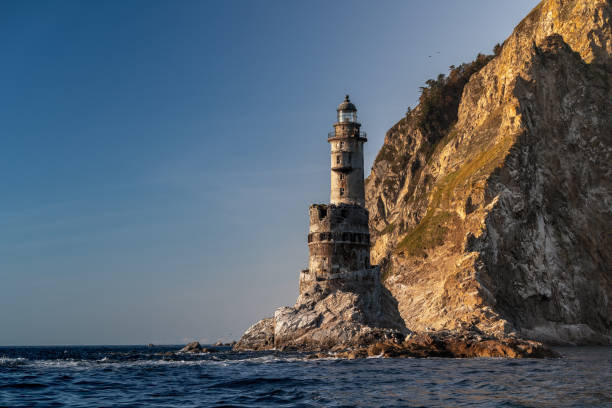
347	112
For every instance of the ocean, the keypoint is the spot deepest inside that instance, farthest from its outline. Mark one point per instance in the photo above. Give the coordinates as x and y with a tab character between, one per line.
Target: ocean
137	376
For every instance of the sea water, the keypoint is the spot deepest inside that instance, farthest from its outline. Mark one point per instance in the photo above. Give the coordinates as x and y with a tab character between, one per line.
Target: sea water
136	376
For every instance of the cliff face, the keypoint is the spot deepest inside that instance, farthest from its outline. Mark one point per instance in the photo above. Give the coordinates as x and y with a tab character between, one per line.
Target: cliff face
502	221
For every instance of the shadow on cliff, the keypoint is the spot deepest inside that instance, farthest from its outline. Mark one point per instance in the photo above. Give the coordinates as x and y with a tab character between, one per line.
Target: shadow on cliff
390	316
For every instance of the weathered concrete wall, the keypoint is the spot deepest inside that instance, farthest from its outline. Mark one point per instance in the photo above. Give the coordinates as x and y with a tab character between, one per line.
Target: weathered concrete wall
347	183
359	281
338	239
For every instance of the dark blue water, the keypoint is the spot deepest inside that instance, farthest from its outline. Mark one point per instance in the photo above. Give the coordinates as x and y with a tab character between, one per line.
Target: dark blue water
156	377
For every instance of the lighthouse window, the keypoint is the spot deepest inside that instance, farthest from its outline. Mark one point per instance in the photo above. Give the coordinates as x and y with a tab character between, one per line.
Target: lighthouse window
341	145
341	176
338	159
341	191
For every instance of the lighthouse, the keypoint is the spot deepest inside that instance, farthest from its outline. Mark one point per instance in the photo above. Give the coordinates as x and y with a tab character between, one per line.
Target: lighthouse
339	236
342	301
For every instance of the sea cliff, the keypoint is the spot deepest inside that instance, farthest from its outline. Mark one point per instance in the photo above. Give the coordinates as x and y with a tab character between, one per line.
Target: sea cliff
491	209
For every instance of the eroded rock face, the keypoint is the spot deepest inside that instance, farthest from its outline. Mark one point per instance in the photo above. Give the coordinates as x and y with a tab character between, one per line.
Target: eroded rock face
503	224
259	336
351	313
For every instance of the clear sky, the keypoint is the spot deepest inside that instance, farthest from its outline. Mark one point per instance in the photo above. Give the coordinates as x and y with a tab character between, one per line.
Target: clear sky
157	158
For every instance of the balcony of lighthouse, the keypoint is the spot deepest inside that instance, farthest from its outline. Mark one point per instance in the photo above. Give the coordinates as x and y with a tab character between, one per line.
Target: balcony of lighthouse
353	133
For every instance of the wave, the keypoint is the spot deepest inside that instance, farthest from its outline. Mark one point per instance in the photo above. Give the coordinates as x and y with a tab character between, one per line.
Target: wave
149	360
262	382
12	362
107	362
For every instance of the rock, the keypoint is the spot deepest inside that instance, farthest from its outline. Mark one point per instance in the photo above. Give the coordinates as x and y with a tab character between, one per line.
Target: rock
326	319
196	347
193	347
259	336
455	345
219	343
462	345
497	219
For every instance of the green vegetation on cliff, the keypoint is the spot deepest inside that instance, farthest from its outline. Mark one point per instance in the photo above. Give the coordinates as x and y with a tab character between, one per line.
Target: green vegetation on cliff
434	118
439	100
434	226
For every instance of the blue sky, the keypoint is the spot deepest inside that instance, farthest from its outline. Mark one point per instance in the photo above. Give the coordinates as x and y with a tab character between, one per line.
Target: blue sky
158	158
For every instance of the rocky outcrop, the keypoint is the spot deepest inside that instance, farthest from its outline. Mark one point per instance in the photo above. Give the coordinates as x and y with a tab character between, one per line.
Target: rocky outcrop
349	313
196	347
501	222
259	336
352	325
193	347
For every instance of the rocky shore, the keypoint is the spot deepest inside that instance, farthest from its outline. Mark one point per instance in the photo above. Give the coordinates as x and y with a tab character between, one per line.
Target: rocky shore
352	341
353	325
445	344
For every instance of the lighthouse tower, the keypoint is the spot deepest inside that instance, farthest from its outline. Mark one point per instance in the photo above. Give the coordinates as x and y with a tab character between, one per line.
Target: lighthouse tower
347	157
339	236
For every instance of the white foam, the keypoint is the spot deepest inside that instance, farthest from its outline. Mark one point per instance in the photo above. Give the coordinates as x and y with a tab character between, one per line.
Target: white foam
108	361
8	361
